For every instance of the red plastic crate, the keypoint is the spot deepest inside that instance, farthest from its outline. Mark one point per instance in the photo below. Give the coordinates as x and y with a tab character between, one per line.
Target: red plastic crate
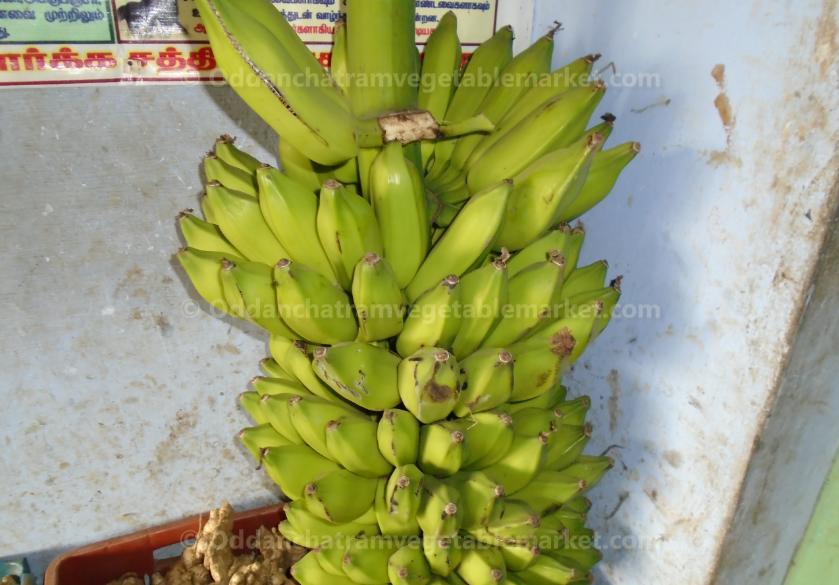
99	563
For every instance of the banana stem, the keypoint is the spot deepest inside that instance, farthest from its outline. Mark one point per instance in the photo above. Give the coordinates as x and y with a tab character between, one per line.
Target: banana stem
415	125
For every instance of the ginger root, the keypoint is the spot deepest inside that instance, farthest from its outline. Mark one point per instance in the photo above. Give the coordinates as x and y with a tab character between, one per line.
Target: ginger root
211	560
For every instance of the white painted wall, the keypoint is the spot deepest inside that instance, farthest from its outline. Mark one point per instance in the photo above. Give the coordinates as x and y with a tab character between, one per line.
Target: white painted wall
717	226
120	404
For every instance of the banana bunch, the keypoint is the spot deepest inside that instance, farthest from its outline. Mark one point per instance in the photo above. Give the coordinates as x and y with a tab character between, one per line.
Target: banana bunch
413	265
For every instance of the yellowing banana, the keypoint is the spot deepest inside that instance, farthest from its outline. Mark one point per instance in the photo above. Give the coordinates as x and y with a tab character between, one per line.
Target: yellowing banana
487	381
470	237
242	223
362	373
347	229
379	302
544	190
605	169
311	305
264	73
429	383
400	208
203	235
433	320
558	123
291	212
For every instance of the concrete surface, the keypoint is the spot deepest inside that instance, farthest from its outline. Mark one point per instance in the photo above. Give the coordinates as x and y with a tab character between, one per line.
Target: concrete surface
719	224
120	389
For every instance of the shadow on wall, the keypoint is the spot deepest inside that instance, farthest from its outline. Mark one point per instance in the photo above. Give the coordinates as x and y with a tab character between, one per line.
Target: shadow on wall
638	230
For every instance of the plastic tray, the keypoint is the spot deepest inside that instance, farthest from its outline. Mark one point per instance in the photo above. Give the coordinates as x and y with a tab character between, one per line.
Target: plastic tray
97	564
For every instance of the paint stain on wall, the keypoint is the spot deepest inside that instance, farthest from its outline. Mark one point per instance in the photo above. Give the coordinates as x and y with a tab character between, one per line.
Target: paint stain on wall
614	399
826	44
722	103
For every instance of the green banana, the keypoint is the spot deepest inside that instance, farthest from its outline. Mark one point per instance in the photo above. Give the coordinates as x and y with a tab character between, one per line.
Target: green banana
566	240
400	208
276	410
482	566
226	150
233	178
550	489
440	449
429	383
518	558
532	299
532	422
253	283
313	306
291	211
311	416
520	464
548	571
293	356
250	403
408	566
539	367
585	279
273	386
512	522
440	66
308	571
340	496
484	292
362	373
379	302
487	383
304	528
203	235
562	519
439	514
579	504
262	69
293	467
605	169
478	496
203	269
443	555
331	559
372	64
551	398
338	66
398	437
525	70
240	220
297	167
574	74
478	77
398	501
555	125
352	442
470	236
433	320
257	439
573	412
365	560
544	189
347	229
565	445
272	369
489	435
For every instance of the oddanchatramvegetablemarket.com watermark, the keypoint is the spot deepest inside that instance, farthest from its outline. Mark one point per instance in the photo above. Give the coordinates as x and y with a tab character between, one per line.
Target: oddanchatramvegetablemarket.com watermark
428	313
